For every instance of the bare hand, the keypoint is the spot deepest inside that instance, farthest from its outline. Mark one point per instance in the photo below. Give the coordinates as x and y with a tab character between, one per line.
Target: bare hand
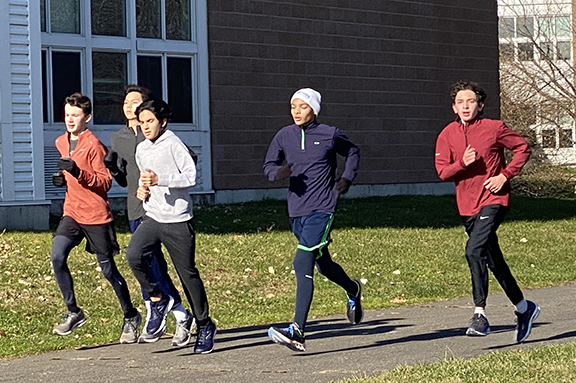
495	184
343	185
142	193
148	178
283	172
469	155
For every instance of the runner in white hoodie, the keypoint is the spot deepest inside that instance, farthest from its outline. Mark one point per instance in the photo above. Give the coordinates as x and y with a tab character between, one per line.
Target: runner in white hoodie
167	171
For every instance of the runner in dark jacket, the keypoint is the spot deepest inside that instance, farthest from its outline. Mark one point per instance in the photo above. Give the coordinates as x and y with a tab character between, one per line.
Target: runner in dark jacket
306	153
470	152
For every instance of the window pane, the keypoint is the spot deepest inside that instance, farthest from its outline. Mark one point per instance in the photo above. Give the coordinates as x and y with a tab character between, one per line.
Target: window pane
507	51
566	138
108	17
546	26
525	51
180	88
109	72
43	15
546	51
65	16
150	74
525	27
178	19
563	27
564	48
148	18
66	79
506	27
548	138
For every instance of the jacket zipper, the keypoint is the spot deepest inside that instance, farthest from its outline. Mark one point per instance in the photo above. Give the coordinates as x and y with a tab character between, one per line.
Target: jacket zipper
302	146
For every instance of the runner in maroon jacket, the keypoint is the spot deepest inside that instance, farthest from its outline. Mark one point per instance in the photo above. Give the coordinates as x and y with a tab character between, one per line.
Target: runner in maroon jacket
470	152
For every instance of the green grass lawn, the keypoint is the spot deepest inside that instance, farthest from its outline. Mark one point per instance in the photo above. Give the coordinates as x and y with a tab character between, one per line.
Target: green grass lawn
408	249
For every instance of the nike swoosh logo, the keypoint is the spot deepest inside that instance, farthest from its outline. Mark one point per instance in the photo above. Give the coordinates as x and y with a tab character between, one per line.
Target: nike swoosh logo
482	217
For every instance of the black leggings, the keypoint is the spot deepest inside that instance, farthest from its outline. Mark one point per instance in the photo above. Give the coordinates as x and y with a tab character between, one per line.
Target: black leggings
303	263
100	241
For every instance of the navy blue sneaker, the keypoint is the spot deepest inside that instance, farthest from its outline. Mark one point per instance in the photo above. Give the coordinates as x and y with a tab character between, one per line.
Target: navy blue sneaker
291	337
155	325
354	310
524	321
205	339
478	326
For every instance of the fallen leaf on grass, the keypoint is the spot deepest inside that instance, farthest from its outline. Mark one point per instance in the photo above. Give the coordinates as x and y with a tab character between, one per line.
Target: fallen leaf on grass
270	295
398	300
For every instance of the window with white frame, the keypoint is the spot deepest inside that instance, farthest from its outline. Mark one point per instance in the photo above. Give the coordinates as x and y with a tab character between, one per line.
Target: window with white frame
99	46
536	37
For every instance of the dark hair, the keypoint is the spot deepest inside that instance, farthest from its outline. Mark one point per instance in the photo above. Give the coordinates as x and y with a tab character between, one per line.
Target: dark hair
159	108
468	85
81	101
144	92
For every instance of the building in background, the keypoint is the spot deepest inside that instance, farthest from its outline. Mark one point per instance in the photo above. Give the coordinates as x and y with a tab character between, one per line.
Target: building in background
537	72
228	69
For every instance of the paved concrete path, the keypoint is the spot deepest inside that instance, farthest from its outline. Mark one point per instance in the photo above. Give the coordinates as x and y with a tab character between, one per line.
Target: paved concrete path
335	349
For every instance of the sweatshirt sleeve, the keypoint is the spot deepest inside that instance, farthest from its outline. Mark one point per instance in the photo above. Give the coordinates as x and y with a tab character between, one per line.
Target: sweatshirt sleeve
97	176
120	176
350	152
518	145
446	166
274	158
186	175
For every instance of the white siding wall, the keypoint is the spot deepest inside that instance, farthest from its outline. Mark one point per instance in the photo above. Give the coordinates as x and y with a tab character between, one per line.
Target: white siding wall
21	103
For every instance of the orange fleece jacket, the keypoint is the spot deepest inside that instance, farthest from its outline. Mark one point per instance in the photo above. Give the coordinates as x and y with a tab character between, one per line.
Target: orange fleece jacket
86	200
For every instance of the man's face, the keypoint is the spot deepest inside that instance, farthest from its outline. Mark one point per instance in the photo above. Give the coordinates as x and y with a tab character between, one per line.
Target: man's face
75	119
131	102
302	113
466	106
149	124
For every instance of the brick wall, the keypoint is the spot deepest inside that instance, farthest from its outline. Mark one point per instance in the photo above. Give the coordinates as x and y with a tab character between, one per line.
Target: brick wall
384	69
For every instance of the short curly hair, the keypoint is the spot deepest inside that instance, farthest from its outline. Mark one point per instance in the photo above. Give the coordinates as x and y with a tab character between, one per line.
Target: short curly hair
468	85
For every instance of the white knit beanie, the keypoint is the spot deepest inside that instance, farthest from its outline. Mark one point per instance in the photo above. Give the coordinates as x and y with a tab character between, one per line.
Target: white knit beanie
310	97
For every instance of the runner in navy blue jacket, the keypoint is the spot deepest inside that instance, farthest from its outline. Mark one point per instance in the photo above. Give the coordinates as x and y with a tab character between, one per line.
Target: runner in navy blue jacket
306	152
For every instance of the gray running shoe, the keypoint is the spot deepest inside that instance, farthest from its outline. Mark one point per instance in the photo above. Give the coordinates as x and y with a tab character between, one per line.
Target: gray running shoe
478	326
183	332
130	332
70	321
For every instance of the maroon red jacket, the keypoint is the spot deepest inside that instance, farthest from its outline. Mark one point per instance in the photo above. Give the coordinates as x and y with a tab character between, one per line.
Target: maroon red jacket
489	138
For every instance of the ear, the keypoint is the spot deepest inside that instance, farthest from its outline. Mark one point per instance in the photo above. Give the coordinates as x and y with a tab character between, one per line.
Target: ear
480	106
88	118
454	108
164	123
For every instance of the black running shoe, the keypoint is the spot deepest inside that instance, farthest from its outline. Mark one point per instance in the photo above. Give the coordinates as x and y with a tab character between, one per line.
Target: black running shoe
478	326
205	339
524	321
291	337
155	325
354	310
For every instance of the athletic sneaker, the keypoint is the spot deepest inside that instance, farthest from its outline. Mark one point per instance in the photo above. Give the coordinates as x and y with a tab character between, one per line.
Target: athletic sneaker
70	321
183	332
524	321
291	337
130	332
354	310
205	339
155	325
478	326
